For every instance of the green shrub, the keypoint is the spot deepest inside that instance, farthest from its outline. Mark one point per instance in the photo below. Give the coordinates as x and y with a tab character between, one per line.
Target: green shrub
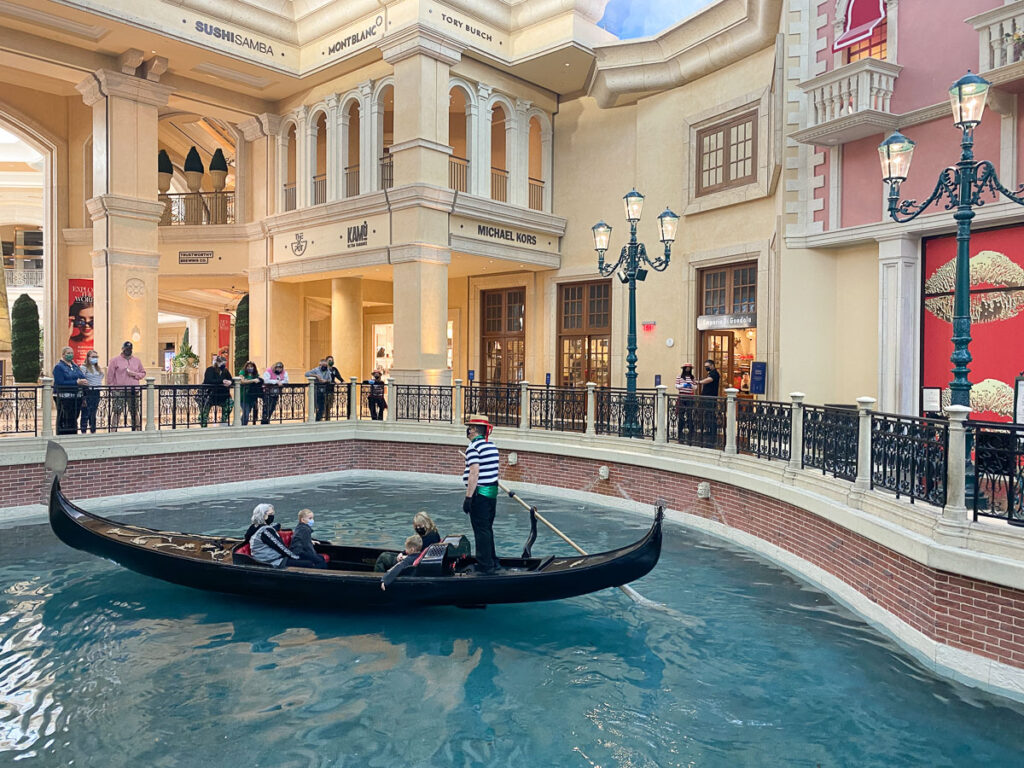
25	340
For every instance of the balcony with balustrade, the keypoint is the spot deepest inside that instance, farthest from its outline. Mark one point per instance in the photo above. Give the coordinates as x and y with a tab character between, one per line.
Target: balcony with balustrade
849	103
198	208
1001	41
23	278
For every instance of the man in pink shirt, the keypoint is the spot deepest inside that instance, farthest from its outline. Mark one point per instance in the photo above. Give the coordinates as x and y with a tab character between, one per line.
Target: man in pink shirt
125	371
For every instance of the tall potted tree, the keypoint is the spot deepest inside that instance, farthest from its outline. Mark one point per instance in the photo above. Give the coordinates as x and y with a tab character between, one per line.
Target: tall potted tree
242	333
25	340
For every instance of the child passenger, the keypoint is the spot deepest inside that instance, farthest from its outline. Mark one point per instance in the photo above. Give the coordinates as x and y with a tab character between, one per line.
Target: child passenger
302	541
413	546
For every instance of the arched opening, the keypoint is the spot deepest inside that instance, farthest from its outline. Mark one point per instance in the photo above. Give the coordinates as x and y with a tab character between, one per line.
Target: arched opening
459	133
290	165
499	154
191	197
320	160
536	171
386	135
352	150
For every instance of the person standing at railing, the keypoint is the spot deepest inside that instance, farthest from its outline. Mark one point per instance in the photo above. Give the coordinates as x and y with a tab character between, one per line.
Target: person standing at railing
94	376
375	399
252	391
68	381
709	388
126	371
322	374
273	378
217	383
686	387
329	389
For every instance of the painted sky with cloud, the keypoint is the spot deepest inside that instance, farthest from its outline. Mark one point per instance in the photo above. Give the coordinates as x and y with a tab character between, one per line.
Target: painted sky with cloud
627	19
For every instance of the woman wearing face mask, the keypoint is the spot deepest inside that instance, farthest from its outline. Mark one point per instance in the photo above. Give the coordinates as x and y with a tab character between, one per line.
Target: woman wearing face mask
252	391
94	375
68	381
273	378
425	529
263	538
217	381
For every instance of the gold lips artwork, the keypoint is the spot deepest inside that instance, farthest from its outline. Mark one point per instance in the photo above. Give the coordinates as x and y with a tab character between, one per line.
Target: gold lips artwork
1004	300
989	395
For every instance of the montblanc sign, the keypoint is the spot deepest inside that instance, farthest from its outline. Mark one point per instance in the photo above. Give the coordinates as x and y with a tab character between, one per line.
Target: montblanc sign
350	41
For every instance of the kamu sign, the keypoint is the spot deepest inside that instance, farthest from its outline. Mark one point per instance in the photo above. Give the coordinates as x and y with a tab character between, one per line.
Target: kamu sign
358	235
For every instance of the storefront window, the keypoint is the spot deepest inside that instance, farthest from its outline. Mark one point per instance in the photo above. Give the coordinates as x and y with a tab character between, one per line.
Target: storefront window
584	333
503	340
727	323
384	346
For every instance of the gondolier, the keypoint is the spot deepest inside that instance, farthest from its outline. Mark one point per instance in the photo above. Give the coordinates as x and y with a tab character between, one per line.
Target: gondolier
481	479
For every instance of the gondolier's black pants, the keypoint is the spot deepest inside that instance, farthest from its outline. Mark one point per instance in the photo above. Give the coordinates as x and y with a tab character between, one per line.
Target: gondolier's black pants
481	517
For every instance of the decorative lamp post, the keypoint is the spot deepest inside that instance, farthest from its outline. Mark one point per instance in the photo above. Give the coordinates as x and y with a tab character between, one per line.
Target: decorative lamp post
962	186
630	268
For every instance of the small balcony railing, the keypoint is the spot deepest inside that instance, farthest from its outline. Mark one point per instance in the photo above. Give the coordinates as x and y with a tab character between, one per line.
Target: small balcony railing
458	174
387	172
195	208
289	197
352	181
499	185
1001	36
536	195
320	189
24	278
849	103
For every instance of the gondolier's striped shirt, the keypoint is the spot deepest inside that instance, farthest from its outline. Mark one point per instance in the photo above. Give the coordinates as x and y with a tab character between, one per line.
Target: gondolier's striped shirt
484	453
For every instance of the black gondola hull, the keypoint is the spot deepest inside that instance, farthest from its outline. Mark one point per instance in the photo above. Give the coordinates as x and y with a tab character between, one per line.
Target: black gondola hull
204	562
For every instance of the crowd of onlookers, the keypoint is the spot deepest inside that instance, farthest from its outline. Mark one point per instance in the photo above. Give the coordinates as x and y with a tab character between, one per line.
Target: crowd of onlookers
76	390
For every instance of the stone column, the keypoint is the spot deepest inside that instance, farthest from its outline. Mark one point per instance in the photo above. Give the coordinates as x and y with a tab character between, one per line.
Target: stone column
372	115
353	397
46	428
480	163
457	402
236	401
311	399
517	137
956	465
661	414
347	324
864	408
151	404
796	434
524	405
303	177
898	289
125	211
730	420
591	409
335	169
420	289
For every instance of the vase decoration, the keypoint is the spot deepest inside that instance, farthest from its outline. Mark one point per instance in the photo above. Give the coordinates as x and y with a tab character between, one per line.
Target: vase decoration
218	170
193	170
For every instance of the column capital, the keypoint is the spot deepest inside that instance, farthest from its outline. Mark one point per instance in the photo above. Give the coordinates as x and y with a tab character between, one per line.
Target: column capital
104	83
411	252
523	106
258	126
148	211
365	88
483	92
418	40
333	101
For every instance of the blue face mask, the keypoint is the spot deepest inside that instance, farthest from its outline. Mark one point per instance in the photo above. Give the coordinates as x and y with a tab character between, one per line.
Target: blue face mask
310	522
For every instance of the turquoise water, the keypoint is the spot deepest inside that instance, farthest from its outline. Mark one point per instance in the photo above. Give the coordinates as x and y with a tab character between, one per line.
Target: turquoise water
747	667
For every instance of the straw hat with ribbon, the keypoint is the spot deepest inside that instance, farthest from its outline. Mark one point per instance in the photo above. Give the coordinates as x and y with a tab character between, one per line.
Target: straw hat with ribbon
480	420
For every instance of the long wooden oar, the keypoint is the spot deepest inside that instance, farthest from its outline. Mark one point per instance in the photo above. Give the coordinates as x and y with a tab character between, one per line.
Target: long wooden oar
631	593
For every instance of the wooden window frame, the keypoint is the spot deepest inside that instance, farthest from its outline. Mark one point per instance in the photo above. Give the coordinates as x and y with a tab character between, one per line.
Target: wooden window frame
724	127
586	330
504	334
878	44
730	271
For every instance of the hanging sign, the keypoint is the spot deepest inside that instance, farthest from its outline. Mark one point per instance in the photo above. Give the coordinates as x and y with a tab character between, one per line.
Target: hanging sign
81	317
223	331
726	322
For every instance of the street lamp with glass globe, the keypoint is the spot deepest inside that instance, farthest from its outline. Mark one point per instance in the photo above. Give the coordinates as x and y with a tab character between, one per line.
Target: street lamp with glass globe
630	268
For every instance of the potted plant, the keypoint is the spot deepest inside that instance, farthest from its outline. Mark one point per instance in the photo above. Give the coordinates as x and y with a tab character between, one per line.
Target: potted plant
184	362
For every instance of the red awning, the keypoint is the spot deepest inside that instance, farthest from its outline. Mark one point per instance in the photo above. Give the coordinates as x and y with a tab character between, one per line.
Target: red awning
862	16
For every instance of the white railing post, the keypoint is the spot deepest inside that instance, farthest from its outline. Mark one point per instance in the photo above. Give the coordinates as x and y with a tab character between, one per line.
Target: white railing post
353	398
661	414
524	405
591	409
956	465
730	419
46	428
457	402
236	401
796	431
311	400
391	393
864	407
150	404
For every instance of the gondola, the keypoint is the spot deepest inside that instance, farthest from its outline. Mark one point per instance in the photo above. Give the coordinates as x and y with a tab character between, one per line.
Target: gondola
219	564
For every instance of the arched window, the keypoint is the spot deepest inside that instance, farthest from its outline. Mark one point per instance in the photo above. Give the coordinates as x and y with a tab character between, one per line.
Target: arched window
290	141
352	149
460	132
320	159
385	109
499	153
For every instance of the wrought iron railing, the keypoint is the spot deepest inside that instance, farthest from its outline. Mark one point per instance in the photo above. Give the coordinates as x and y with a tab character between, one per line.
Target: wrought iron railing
24	278
97	409
289	197
500	402
330	401
422	402
764	428
499	185
195	208
998	470
373	406
697	421
194	405
558	408
18	412
352	181
830	440
387	172
458	174
280	403
908	456
320	189
612	411
536	194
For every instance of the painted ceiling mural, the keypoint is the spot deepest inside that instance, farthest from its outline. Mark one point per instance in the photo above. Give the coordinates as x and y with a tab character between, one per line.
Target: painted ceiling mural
627	19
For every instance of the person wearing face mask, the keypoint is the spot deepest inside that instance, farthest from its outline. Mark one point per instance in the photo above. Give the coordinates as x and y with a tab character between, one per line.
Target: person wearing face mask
375	399
126	372
252	391
302	543
329	389
90	405
425	530
217	382
273	378
709	388
322	374
264	541
68	381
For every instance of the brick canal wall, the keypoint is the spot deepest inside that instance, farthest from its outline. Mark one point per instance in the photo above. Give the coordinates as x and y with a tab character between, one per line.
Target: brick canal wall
975	616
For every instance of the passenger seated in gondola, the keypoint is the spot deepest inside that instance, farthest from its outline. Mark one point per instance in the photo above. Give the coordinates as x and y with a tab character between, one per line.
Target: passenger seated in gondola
413	546
302	541
424	528
267	546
